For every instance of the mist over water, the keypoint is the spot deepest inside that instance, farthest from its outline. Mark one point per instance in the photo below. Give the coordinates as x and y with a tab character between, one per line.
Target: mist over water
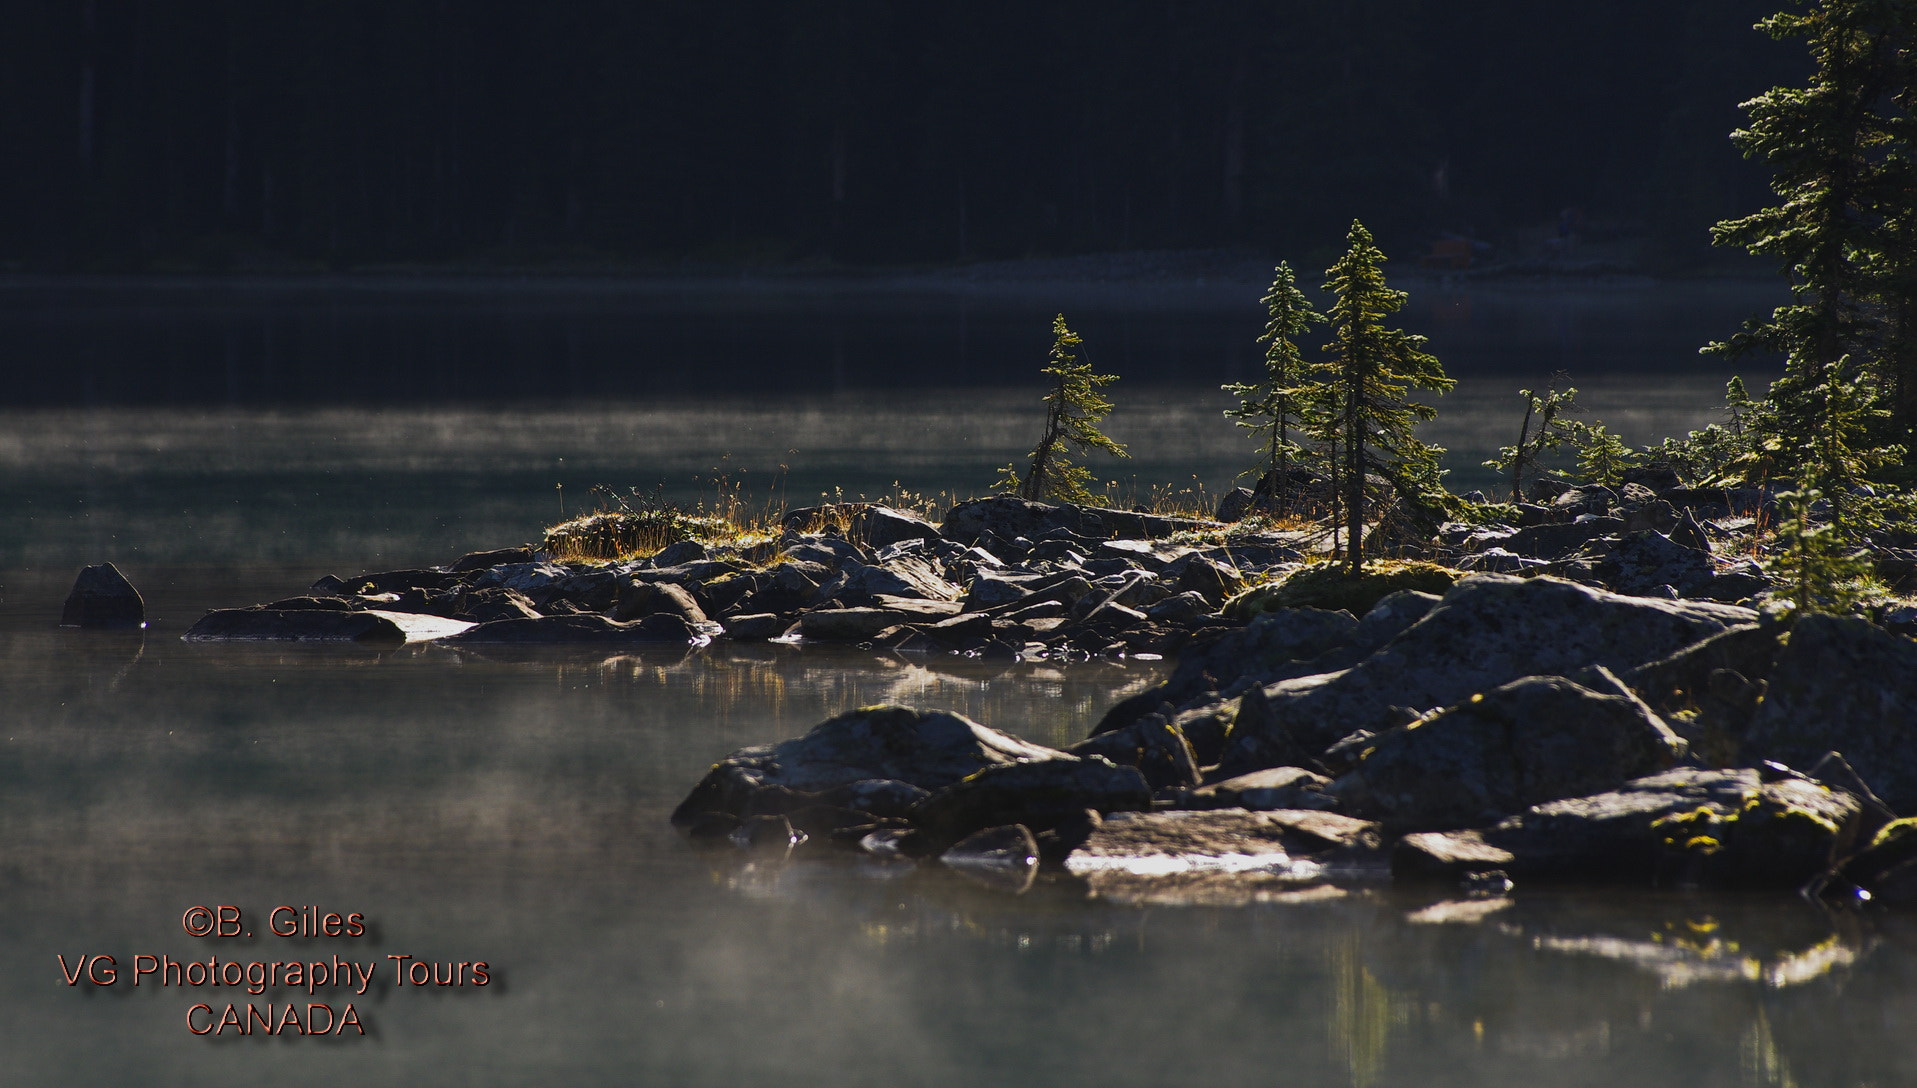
512	807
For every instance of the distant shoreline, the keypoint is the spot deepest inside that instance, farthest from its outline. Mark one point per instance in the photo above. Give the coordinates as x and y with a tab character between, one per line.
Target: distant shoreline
1181	277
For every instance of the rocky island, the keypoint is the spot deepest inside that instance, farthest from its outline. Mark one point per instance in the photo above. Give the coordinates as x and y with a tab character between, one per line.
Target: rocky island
1599	692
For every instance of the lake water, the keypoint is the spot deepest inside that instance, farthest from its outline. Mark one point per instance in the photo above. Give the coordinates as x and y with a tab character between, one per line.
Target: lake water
512	809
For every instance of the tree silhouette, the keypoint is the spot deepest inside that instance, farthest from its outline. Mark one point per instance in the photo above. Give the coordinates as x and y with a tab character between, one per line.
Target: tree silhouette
1841	158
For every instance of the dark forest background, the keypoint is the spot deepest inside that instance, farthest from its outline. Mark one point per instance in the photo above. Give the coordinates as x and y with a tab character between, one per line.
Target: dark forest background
147	134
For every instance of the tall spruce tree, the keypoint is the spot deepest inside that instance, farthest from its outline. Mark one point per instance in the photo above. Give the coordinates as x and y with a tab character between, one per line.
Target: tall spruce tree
1074	408
1841	152
1274	408
1361	394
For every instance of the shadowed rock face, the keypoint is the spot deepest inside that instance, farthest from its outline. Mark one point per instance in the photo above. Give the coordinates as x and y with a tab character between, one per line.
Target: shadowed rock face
660	627
301	625
1042	795
102	597
1007	517
1720	828
1531	741
1843	685
1489	630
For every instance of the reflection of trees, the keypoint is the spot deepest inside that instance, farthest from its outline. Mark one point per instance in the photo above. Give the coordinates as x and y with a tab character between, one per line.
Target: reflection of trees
1759	1063
1361	1013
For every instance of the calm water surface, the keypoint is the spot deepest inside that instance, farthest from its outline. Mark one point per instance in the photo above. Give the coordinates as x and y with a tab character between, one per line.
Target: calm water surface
512	808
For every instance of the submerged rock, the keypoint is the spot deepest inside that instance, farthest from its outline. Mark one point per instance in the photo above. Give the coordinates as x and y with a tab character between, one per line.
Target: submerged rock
1008	847
102	597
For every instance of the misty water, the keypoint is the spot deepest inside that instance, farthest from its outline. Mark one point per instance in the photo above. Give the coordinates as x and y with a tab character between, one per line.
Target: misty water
228	446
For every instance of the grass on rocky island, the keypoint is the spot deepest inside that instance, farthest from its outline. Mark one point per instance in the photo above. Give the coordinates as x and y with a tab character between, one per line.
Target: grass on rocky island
634	525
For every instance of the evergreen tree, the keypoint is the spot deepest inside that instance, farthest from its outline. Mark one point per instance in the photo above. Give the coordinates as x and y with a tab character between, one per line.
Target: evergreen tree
1602	455
1074	410
1272	408
1360	396
1822	567
1841	153
1541	430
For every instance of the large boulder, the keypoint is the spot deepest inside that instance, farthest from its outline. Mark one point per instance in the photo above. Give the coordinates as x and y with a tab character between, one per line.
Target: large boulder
1686	826
1707	692
1644	562
1843	685
1558	539
1489	630
925	750
1539	739
102	597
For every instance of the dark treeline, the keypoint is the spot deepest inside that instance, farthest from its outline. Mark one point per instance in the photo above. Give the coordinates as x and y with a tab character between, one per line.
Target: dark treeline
141	133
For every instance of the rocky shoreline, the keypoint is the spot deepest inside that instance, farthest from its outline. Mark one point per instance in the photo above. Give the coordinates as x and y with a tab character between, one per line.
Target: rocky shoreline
1587	694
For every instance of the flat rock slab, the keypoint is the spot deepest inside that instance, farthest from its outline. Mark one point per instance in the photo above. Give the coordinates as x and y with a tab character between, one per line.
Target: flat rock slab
1296	844
1007	517
420	627
321	625
1275	788
302	625
852	624
659	629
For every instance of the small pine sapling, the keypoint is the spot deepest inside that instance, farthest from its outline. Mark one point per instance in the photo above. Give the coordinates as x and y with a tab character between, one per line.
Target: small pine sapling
1541	430
1602	455
1816	561
1074	409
